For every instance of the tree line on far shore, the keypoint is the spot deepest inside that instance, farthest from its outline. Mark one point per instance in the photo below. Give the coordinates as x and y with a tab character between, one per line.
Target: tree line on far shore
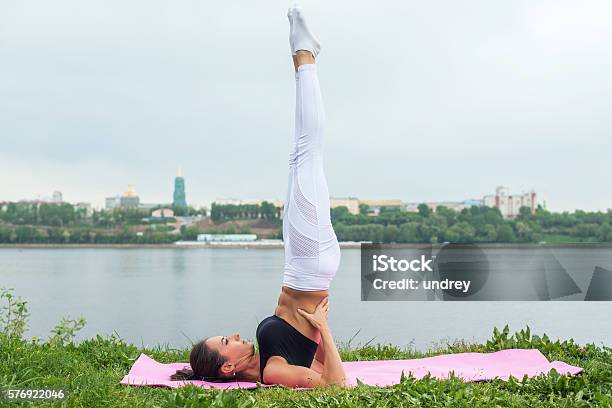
64	223
474	224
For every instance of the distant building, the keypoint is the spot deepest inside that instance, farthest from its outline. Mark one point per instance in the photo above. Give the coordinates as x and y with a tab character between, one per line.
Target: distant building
57	197
351	203
236	201
150	206
374	206
472	202
510	204
130	198
85	207
162	213
179	197
227	237
453	205
112	202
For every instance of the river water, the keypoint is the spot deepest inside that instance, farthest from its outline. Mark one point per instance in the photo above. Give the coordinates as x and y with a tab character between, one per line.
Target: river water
156	296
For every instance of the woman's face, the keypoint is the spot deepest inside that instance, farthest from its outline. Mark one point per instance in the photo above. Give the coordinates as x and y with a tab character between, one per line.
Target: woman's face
232	348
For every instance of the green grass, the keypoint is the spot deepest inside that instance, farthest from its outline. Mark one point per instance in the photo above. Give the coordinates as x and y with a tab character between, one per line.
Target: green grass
90	372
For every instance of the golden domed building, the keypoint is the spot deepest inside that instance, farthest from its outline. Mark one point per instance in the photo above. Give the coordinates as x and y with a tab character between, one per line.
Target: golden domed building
130	198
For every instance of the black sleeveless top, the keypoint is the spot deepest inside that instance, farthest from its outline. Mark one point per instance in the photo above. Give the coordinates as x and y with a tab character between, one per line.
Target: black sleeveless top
276	337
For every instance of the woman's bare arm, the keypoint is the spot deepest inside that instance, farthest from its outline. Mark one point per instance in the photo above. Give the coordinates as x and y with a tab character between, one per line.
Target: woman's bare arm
320	355
279	371
333	372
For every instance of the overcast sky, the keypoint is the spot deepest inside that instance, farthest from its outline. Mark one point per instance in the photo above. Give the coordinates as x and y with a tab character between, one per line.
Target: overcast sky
425	101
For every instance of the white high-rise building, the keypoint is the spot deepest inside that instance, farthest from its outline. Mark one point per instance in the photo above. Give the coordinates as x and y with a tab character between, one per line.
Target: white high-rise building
509	204
57	197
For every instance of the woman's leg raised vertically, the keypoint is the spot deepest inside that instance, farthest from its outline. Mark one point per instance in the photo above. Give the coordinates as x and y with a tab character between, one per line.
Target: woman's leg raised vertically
312	253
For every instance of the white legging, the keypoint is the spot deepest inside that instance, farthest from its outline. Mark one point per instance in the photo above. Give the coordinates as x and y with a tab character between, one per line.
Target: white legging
312	253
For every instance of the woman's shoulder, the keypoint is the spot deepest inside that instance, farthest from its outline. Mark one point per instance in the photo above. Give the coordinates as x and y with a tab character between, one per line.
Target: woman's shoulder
265	327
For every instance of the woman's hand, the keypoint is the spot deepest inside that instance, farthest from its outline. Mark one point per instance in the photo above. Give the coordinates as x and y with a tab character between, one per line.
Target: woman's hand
318	319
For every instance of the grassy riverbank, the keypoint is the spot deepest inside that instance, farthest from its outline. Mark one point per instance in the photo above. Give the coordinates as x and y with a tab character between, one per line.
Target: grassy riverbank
90	372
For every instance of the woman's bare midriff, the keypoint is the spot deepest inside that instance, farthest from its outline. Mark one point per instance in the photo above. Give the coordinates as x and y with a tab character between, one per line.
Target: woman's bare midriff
288	303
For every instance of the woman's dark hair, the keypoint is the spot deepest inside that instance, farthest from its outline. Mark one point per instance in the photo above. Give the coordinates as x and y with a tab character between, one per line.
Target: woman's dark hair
205	364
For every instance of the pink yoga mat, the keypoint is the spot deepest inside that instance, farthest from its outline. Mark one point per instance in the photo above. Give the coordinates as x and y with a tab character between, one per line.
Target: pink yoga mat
468	366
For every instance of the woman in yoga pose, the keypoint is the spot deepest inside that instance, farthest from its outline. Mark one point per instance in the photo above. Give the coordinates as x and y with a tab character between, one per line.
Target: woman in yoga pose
296	347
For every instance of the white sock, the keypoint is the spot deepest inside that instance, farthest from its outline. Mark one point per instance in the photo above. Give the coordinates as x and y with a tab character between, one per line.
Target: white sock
300	37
